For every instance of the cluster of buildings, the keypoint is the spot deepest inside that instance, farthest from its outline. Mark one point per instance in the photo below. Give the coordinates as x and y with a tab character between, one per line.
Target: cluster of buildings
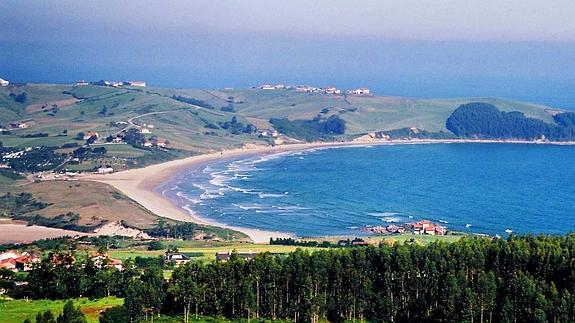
422	227
112	83
18	261
428	227
313	89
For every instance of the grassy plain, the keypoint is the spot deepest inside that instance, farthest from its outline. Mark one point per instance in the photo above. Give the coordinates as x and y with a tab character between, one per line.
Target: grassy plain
16	311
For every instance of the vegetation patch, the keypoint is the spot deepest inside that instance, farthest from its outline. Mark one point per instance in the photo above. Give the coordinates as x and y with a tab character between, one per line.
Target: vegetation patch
67	221
483	120
311	130
192	101
15	204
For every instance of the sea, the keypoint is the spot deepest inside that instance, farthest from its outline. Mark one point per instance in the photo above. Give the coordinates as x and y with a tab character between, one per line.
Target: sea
493	189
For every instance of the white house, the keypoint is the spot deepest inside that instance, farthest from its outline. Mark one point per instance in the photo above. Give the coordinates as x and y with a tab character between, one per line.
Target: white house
105	170
3	82
360	91
332	90
145	131
136	83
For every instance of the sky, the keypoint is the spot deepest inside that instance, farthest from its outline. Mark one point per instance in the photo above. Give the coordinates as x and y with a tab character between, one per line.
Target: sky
425	48
469	20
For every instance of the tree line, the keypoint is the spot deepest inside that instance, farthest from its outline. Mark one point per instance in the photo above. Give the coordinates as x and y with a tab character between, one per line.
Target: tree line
483	120
519	279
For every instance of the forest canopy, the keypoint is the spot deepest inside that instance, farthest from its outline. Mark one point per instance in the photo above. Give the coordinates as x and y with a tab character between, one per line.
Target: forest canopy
485	121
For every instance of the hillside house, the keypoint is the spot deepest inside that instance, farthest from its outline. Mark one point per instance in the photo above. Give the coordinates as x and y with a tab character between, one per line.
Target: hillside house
136	83
360	91
105	170
91	134
4	82
332	90
145	131
19	125
81	83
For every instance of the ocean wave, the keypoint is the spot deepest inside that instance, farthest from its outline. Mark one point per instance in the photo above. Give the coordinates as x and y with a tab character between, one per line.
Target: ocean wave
383	214
266	195
183	195
248	207
391	219
291	207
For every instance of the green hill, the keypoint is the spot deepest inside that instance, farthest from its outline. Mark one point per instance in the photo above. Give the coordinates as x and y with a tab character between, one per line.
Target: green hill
190	119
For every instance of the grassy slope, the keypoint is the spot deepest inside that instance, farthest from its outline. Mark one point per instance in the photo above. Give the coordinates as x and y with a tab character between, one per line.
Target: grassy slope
372	113
93	201
16	311
184	125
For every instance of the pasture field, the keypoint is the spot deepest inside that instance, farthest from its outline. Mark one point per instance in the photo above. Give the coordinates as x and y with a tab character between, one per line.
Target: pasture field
18	310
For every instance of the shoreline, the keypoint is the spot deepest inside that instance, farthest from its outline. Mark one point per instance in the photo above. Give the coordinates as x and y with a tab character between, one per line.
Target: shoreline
140	184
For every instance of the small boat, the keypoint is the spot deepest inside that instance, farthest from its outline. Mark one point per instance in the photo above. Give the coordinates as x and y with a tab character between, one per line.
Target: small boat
468	225
443	221
509	231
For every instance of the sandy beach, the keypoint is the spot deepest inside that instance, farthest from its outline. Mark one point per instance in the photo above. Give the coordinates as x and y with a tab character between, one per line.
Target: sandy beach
139	184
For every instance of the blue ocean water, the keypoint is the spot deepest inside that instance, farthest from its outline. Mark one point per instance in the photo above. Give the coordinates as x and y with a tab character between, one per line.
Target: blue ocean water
478	188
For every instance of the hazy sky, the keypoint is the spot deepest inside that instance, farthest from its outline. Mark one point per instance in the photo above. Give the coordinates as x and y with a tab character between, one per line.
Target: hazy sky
521	49
470	20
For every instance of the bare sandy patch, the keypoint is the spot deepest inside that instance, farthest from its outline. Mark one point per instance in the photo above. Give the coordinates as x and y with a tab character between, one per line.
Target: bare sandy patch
21	233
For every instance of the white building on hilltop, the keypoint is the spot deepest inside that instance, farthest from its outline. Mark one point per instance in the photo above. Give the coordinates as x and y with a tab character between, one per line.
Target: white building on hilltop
360	91
3	82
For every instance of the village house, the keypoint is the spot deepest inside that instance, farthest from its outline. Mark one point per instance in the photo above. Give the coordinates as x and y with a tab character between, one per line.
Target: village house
428	227
225	255
145	131
136	83
101	260
105	170
19	125
81	83
4	82
332	90
177	258
17	261
91	134
360	91
266	87
359	243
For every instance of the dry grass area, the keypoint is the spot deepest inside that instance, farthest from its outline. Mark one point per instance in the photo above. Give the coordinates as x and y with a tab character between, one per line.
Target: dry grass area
93	201
50	104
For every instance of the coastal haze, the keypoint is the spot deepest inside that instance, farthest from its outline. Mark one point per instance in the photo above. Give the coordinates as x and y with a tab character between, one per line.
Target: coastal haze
463	50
